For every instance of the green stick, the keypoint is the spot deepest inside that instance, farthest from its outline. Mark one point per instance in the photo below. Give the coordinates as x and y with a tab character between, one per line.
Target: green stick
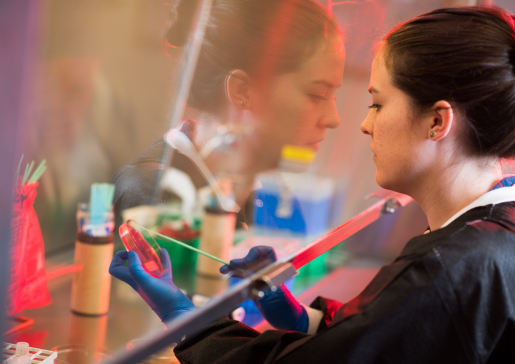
24	178
30	169
38	172
18	172
186	246
109	196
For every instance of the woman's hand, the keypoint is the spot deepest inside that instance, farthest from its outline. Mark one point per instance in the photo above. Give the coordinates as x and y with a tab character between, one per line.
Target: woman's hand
279	308
161	294
258	257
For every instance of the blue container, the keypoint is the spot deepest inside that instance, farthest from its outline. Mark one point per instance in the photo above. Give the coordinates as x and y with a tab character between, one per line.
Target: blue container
297	204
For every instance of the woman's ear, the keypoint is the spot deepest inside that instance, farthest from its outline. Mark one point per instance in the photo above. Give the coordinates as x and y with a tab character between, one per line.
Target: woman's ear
442	116
237	89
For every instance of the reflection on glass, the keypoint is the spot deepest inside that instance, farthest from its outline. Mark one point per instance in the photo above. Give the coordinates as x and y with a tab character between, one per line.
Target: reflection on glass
250	162
261	96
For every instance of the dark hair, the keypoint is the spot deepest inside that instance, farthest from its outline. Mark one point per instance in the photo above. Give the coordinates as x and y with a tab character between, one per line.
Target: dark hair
464	55
255	36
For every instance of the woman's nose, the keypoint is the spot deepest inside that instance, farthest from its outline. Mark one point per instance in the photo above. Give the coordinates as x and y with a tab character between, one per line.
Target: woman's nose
367	125
331	119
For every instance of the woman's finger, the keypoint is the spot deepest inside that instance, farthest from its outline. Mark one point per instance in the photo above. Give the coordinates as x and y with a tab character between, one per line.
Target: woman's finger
165	261
118	259
140	275
224	269
118	270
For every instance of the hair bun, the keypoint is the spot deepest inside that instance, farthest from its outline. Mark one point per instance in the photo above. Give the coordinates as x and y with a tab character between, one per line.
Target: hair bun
179	23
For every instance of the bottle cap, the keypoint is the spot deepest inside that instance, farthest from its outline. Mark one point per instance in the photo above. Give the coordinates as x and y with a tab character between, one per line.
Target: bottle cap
22	349
297	154
296	159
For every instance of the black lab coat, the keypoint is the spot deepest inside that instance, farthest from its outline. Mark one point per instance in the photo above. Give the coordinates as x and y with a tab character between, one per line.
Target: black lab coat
448	298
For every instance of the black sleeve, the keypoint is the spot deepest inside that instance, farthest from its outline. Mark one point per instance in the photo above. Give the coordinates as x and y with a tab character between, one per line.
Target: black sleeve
401	317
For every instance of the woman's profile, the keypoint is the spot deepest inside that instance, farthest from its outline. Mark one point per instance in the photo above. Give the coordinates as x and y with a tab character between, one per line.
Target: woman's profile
265	78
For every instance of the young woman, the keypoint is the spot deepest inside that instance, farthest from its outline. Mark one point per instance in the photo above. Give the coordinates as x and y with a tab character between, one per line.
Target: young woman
442	119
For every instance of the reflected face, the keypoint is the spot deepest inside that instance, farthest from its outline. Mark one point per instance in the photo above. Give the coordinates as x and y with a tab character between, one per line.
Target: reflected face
299	106
397	137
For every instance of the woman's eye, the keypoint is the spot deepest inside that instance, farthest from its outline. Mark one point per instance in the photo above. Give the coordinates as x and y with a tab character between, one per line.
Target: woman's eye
317	98
375	106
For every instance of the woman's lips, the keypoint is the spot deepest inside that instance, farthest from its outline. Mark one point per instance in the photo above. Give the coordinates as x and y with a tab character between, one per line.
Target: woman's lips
316	145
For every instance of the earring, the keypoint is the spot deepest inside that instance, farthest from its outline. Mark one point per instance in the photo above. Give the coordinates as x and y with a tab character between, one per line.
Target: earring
432	134
243	103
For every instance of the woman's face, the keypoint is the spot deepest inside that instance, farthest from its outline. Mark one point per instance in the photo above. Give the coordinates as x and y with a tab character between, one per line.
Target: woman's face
398	137
299	106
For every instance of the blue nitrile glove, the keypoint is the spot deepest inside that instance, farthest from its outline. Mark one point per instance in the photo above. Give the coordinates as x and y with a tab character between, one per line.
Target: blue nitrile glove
161	294
279	308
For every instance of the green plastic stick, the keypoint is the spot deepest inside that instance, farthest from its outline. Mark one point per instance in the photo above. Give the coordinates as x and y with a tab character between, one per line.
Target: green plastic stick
41	166
186	246
109	196
25	174
30	169
38	172
18	171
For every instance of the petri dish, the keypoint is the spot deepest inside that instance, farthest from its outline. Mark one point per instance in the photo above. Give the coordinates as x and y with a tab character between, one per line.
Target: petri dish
137	239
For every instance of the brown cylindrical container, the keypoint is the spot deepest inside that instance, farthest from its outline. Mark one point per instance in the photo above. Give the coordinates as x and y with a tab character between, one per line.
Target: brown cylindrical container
92	284
216	238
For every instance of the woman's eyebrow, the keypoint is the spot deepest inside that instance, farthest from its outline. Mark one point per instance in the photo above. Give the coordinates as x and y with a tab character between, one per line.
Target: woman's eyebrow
325	83
373	90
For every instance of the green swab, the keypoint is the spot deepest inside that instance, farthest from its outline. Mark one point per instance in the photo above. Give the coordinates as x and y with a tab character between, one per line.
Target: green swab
30	169
18	171
186	246
109	195
38	172
26	174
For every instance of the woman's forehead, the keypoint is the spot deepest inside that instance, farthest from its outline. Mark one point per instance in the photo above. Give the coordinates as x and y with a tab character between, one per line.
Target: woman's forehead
326	64
380	80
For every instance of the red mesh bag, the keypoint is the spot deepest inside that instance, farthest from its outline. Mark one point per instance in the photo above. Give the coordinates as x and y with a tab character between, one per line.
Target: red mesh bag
28	284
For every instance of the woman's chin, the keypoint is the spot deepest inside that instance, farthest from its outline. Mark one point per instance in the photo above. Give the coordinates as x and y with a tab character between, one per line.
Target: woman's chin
400	185
384	182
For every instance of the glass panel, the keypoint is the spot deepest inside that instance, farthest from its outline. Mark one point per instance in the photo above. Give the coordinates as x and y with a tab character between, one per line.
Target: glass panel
215	143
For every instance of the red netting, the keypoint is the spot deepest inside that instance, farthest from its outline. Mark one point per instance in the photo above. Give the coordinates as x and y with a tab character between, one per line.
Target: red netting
28	284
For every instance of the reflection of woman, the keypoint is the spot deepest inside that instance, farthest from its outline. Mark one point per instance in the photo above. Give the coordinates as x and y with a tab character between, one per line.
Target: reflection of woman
266	74
442	118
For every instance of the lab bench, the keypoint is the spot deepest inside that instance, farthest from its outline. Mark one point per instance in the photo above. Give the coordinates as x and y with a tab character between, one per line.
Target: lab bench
129	317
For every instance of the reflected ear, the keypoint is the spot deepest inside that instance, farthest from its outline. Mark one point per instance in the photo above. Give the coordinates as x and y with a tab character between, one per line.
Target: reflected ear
442	119
237	89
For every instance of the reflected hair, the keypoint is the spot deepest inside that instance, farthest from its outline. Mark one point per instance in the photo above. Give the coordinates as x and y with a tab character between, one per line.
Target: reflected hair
466	56
260	37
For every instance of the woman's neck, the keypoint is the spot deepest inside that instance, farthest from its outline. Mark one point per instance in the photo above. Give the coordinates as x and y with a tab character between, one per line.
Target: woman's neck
445	192
232	162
